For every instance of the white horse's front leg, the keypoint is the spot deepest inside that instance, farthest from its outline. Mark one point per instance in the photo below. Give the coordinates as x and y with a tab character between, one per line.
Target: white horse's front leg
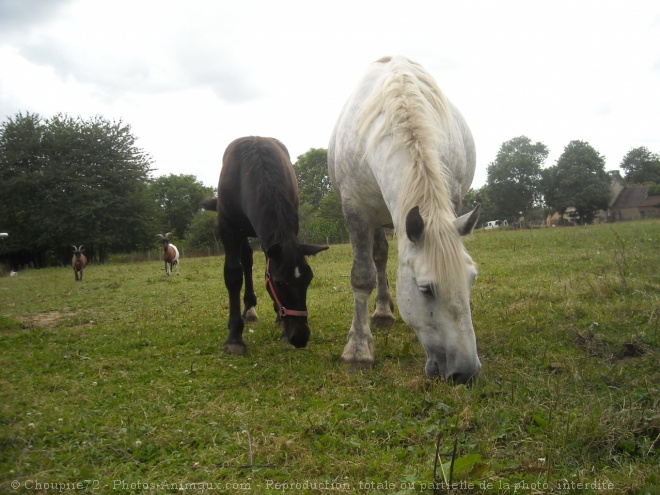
383	315
359	352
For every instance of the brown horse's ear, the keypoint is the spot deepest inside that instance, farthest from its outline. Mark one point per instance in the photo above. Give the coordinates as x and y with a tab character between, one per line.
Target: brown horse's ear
311	249
210	204
275	251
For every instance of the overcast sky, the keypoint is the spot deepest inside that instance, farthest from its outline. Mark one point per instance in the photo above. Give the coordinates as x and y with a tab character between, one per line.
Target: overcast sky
189	77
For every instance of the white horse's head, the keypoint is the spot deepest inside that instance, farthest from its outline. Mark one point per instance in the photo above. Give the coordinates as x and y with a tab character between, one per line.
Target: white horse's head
433	294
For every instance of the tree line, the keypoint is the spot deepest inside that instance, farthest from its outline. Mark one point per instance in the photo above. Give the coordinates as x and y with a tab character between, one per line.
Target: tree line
66	181
519	187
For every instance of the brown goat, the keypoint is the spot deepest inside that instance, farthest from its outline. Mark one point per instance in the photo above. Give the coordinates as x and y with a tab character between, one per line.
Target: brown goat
170	254
78	262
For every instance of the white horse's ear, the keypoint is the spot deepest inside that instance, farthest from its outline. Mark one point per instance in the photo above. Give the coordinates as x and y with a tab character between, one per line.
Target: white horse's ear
414	224
464	224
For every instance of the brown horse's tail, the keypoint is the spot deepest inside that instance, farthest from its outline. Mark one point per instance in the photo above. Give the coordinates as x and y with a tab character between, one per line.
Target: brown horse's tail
209	204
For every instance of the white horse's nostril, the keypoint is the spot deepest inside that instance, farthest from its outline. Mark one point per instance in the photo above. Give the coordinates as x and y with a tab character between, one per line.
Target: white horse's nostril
462	378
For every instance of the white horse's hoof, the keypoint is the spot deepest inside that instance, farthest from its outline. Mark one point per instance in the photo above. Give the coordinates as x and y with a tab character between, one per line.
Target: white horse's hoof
357	365
382	320
358	355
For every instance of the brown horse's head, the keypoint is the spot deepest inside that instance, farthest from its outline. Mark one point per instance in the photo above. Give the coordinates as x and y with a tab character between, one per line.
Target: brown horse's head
288	276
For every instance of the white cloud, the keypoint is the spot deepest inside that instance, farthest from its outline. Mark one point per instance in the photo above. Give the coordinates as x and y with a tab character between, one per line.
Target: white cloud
191	77
16	14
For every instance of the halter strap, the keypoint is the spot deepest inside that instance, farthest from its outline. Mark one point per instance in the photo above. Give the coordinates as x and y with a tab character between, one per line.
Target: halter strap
282	311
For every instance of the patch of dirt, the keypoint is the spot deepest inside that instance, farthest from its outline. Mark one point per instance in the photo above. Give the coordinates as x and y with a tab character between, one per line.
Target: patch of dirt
595	346
44	320
634	348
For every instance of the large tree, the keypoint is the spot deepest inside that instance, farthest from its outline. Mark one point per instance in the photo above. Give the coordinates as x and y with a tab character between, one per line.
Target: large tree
312	173
321	217
67	181
514	177
178	198
21	160
578	180
202	232
641	166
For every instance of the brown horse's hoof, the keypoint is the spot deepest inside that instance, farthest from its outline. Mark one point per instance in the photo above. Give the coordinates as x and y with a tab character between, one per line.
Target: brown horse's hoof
234	348
250	316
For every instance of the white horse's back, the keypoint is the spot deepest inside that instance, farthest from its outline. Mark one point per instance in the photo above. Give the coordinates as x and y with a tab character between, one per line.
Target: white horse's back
375	125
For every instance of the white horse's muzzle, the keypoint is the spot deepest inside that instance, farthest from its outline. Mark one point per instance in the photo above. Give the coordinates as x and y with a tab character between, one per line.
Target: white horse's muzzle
458	373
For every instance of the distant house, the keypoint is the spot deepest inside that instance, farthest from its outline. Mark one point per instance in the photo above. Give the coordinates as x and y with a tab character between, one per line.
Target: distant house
634	203
617	185
626	203
650	207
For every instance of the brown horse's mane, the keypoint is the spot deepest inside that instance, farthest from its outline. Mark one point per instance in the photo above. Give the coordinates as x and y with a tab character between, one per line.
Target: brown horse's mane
275	200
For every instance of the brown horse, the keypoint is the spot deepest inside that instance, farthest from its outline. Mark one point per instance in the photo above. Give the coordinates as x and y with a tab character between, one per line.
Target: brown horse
258	197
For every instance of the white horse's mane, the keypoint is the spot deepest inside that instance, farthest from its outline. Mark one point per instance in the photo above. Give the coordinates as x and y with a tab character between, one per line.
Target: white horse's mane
417	117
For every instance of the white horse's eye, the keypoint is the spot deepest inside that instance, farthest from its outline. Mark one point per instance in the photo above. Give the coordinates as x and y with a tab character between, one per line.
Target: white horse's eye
425	289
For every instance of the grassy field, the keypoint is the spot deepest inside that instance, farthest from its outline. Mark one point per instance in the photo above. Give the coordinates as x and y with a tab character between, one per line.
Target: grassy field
118	384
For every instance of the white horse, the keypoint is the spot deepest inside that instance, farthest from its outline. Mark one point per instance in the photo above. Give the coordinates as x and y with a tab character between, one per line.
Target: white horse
402	155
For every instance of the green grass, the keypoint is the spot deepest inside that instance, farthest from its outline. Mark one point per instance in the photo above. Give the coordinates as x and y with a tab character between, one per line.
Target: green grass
120	380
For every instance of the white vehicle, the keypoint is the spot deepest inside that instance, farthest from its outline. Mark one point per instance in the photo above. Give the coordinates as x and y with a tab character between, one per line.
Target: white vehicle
495	224
3	235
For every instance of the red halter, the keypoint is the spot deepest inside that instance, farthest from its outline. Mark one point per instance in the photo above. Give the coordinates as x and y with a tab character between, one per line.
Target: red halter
282	311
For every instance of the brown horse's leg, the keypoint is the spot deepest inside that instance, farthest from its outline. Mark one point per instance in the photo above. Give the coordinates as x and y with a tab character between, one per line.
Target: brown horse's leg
249	297
233	274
